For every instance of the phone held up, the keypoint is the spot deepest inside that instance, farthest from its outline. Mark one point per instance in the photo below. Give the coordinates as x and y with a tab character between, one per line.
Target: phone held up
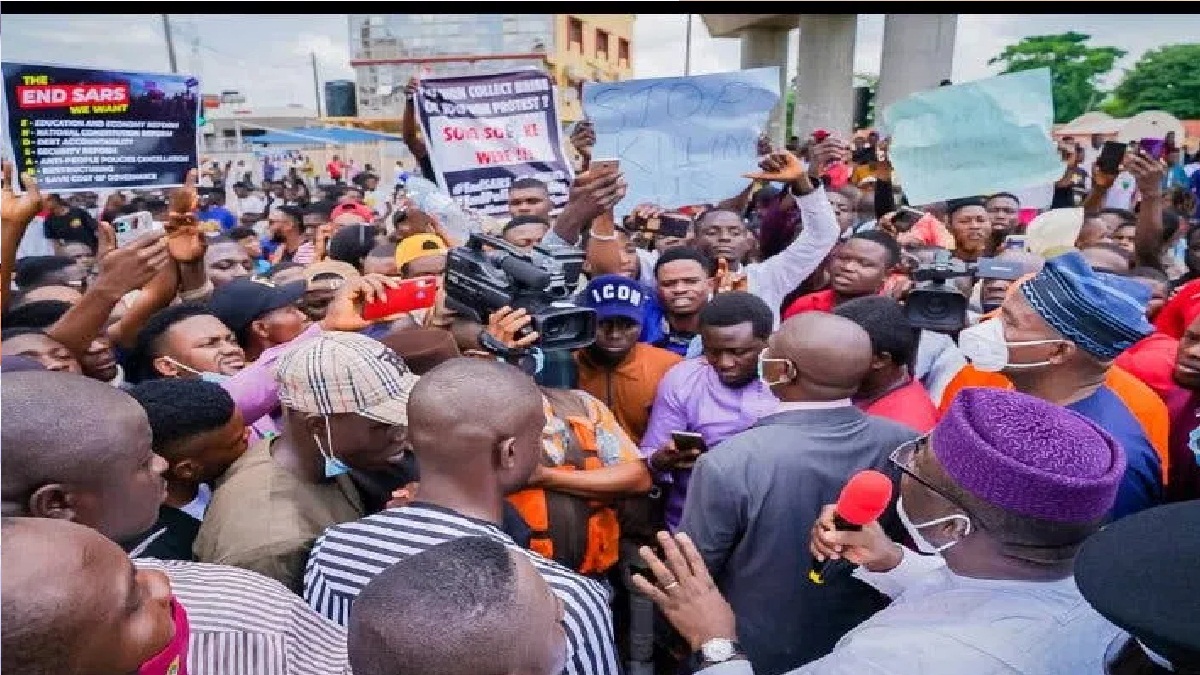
605	165
410	296
1109	160
130	226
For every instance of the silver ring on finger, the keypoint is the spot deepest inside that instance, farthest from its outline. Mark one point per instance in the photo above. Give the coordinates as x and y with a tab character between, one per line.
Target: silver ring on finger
671	585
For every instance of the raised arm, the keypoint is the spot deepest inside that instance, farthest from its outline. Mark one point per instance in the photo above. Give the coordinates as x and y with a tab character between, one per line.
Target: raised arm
15	216
1148	235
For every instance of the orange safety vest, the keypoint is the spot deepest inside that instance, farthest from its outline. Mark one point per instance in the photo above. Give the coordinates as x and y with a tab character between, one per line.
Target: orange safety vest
578	533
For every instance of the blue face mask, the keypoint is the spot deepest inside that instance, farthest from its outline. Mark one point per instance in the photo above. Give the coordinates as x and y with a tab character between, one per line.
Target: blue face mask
215	378
334	467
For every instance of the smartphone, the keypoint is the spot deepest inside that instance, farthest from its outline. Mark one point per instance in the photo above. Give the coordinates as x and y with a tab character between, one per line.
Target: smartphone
1110	157
1154	147
686	441
669	225
129	227
409	296
1015	242
605	165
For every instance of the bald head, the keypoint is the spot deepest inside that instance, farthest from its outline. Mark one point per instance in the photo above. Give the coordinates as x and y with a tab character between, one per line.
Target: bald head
466	405
469	605
831	356
78	449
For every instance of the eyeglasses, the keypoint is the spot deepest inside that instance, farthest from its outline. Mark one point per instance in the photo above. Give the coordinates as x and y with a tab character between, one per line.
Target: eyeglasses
905	457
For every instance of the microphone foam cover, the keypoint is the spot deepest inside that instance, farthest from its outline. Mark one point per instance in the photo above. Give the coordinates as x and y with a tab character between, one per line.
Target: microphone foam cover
865	497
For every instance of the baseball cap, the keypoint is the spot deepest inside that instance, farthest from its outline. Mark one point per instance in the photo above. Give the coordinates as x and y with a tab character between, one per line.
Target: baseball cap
613	295
360	210
418	246
821	134
243	300
338	372
341	272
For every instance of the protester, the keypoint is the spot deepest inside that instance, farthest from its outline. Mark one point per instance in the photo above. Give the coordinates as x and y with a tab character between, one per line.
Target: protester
275	500
226	260
751	498
467	606
462	495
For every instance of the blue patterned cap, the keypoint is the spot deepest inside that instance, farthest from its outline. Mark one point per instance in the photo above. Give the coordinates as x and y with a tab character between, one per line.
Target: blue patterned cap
1102	313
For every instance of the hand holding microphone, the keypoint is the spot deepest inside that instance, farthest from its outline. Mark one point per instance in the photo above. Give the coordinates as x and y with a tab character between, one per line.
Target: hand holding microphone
849	529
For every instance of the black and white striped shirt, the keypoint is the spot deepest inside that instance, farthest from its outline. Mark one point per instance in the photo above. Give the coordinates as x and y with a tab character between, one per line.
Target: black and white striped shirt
348	556
243	623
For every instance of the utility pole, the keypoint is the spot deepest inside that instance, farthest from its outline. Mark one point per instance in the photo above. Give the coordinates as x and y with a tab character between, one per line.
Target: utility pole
170	43
316	83
687	49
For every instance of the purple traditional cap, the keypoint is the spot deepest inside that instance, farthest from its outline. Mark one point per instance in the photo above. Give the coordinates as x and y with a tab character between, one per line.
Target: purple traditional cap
1028	456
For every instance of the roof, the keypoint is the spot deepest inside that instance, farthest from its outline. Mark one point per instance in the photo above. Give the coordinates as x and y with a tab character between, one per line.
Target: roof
319	136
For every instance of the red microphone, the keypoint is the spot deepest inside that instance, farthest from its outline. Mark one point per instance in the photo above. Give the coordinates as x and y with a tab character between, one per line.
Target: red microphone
863	500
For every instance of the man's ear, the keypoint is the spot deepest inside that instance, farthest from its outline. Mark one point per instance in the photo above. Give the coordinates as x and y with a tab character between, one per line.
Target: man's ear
186	470
163	366
52	501
506	453
258	328
1063	351
880	361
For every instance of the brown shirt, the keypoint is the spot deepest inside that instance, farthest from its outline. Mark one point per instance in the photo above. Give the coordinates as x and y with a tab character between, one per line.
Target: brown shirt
628	390
264	518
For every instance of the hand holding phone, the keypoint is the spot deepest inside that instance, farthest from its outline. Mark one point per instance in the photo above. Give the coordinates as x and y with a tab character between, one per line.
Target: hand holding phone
1111	156
408	296
130	226
605	165
689	442
1154	147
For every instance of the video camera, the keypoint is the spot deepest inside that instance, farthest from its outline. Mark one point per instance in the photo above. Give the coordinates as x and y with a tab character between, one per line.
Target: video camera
488	273
934	303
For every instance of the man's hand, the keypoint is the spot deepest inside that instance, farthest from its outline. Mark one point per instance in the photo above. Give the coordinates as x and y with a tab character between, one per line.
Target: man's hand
730	281
583	139
505	323
685	592
669	457
869	547
410	87
1100	179
1148	172
783	167
184	238
596	192
133	265
763	145
647	211
107	239
16	212
345	311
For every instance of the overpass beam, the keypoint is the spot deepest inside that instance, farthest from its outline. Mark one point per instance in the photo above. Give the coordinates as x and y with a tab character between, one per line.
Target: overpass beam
825	74
918	53
763	48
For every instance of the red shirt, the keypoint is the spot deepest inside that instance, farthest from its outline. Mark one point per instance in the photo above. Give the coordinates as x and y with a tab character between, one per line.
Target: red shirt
334	169
819	301
1152	360
1180	310
909	405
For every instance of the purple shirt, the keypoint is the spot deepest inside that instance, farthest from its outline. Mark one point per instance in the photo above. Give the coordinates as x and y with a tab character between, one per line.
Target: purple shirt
691	397
254	389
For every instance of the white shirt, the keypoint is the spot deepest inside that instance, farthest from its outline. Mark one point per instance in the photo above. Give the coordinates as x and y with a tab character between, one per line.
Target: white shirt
251	203
1120	195
940	623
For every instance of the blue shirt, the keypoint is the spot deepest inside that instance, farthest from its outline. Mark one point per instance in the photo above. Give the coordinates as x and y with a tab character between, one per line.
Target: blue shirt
1142	487
223	217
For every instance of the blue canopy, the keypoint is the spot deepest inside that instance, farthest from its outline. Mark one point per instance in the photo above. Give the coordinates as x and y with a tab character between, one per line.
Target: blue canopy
319	136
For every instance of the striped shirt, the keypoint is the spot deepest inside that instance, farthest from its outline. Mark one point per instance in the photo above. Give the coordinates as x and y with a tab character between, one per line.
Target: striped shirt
347	556
243	623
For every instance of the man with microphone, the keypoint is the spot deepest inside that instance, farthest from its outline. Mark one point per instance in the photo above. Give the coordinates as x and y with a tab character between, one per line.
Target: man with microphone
1000	496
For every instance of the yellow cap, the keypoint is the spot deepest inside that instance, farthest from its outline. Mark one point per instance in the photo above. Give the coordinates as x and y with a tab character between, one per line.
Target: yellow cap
418	246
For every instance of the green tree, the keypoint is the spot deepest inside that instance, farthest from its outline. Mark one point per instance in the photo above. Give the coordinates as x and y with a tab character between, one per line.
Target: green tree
1075	68
1165	79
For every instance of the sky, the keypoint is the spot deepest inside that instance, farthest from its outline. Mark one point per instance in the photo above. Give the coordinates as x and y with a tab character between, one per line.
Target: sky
268	57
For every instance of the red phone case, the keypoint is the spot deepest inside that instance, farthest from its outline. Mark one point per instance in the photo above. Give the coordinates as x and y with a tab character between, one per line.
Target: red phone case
411	295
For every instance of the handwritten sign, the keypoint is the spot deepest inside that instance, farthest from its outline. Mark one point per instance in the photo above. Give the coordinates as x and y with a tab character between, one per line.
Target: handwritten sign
81	129
486	131
976	138
682	140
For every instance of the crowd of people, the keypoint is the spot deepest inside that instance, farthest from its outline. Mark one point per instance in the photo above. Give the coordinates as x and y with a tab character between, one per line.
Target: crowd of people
215	463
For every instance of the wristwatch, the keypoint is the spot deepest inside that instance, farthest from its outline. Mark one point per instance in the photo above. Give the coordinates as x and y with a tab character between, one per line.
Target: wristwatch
714	651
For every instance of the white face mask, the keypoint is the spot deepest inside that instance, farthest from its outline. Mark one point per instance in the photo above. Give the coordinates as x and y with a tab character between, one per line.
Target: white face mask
205	375
914	529
985	347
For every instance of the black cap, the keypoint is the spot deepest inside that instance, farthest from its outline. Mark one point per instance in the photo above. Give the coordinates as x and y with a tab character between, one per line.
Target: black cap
243	300
1141	574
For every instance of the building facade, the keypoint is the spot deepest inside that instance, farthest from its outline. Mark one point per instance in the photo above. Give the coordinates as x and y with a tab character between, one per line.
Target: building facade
388	49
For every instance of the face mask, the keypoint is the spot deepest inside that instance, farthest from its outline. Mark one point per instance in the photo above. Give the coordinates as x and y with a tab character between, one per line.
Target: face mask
914	529
985	347
172	660
216	378
334	467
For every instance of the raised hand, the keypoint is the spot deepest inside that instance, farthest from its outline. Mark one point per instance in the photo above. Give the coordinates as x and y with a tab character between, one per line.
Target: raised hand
506	323
18	211
685	592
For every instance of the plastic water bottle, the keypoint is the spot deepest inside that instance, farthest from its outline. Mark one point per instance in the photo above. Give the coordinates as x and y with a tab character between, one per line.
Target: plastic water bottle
428	197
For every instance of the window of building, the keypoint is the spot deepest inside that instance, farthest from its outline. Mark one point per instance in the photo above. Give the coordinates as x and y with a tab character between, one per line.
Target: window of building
623	50
602	44
574	33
